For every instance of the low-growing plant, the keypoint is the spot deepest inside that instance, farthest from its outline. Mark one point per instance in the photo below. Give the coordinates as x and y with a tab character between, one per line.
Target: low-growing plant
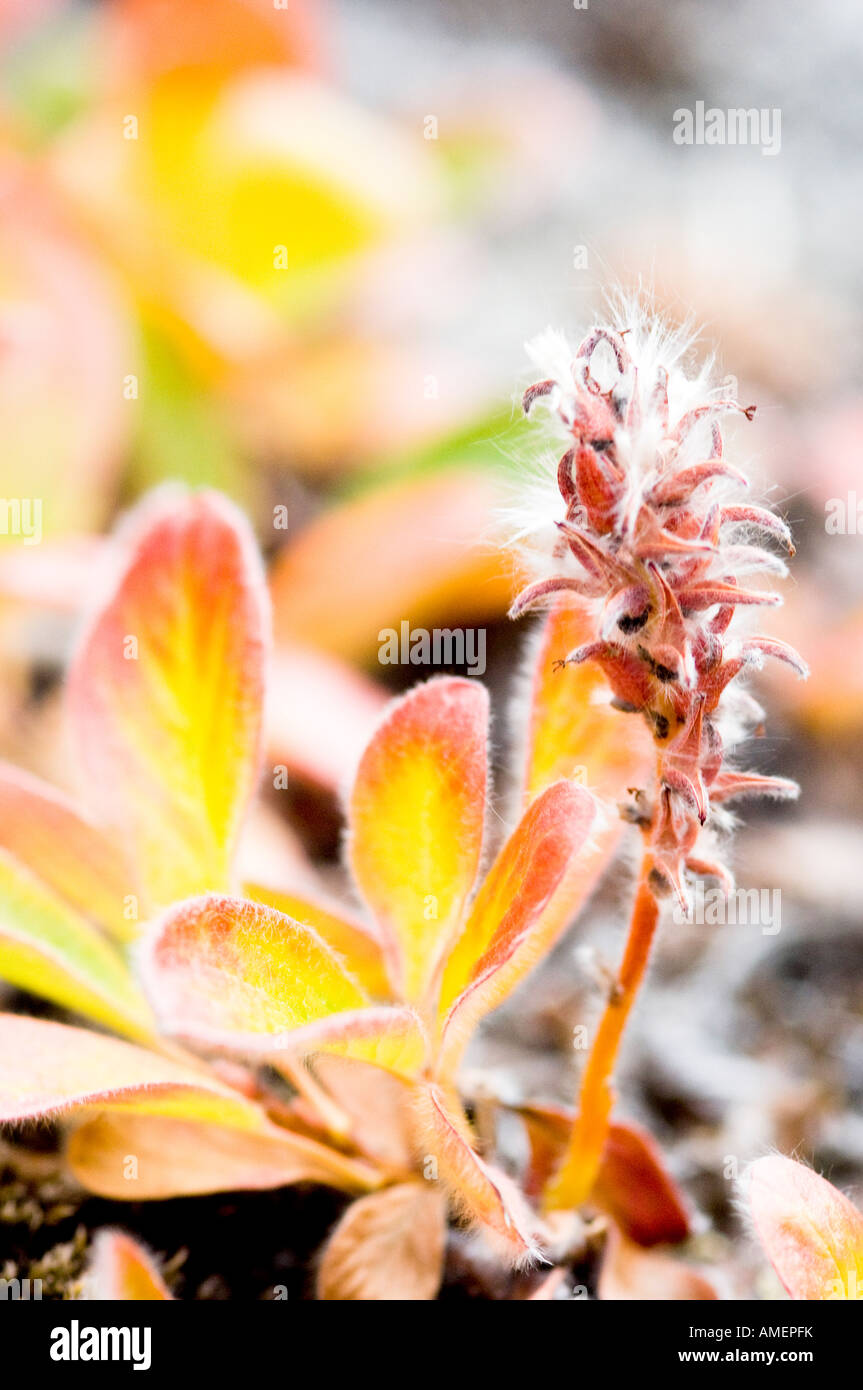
277	1038
105	912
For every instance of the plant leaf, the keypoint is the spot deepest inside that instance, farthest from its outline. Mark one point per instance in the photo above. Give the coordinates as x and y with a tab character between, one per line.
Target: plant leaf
51	1068
812	1234
633	1185
416	819
377	1104
479	1192
519	912
166	694
357	944
218	968
321	713
46	833
229	973
417	546
391	1038
177	1157
46	948
122	1270
635	1188
388	1247
572	733
631	1273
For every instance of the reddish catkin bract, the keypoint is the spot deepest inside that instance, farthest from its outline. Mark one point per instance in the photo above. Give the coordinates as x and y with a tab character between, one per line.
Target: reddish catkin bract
655	535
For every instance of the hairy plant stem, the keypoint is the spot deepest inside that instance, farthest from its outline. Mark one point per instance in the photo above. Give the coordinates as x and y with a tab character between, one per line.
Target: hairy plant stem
328	1111
578	1171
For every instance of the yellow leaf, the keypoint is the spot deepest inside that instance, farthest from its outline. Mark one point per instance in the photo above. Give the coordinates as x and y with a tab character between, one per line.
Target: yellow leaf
48	949
166	694
51	1069
416	823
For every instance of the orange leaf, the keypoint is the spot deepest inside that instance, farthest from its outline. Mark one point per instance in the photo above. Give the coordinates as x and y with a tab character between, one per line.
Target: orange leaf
479	1192
812	1234
221	37
44	831
416	818
166	693
388	1247
573	731
519	912
630	1273
418	547
548	1128
176	1157
121	1270
389	1037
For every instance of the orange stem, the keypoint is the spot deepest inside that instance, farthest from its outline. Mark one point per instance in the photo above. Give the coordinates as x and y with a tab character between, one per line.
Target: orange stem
576	1177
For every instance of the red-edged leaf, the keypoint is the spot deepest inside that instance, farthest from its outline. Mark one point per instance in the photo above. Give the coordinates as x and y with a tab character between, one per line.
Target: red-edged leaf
519	912
479	1193
633	1186
166	693
50	1068
235	974
357	944
812	1234
218	967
